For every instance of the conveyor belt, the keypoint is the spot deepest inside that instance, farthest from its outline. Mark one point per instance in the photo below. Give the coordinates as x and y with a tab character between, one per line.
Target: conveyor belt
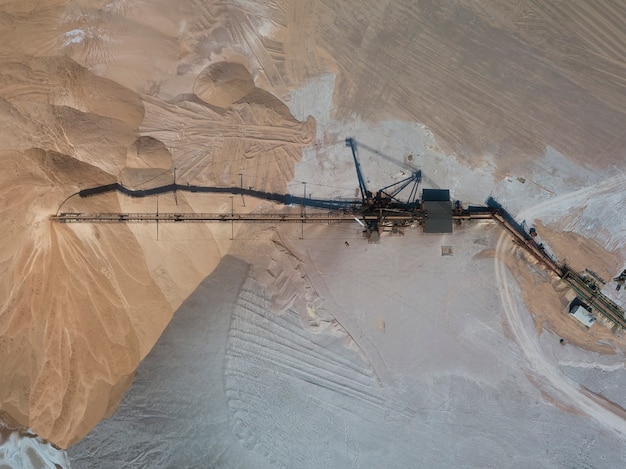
307	217
601	303
167	217
593	297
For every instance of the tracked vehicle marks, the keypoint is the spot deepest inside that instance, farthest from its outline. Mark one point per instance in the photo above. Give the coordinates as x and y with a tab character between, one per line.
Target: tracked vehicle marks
272	362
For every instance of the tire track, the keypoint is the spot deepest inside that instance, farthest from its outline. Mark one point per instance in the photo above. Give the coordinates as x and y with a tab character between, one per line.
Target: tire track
280	342
294	341
563	388
300	57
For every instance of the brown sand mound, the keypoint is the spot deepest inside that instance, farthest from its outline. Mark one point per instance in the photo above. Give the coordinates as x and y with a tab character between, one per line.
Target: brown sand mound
54	103
62	82
88	137
148	152
78	305
81	305
223	83
78	308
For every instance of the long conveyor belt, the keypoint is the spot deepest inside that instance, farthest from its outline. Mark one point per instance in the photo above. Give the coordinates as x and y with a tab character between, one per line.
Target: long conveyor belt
601	303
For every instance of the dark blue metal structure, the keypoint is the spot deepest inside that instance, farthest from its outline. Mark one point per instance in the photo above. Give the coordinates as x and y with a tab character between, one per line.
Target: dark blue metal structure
387	197
384	203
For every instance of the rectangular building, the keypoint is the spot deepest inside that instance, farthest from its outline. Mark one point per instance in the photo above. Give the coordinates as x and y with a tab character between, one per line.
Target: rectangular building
438	209
584	316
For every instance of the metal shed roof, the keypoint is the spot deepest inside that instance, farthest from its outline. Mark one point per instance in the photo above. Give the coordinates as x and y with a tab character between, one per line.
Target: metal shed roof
435	195
438	217
438	211
583	315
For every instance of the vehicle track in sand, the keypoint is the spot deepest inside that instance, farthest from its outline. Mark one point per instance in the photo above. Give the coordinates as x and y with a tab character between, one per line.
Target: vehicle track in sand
551	379
255	140
280	376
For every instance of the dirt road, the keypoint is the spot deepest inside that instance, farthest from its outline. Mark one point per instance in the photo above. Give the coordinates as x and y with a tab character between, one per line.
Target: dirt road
549	377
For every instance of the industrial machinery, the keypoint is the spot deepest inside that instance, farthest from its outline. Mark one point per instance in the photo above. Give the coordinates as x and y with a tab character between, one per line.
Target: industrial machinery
387	197
375	212
386	201
383	210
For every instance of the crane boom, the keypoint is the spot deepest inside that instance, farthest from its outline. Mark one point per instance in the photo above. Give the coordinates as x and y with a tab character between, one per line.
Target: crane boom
365	194
388	194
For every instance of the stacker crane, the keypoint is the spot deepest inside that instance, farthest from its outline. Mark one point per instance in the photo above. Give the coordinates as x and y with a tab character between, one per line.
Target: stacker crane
387	197
385	202
374	212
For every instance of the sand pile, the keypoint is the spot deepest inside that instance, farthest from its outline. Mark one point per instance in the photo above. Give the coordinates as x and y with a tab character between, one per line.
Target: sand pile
254	141
79	308
60	81
223	83
83	304
148	153
54	103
